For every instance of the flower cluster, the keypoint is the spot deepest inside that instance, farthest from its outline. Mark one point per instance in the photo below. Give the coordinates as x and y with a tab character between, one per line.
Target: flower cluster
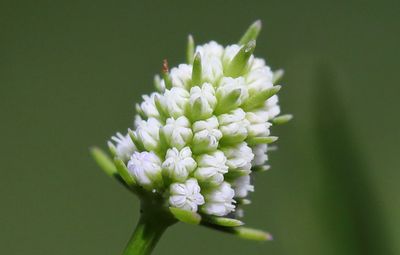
197	141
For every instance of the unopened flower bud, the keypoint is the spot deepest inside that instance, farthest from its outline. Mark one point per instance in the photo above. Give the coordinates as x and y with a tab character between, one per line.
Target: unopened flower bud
258	124
181	76
124	146
233	126
186	195
177	132
231	93
219	201
145	167
148	106
178	164
242	186
260	155
211	168
175	101
147	133
202	102
239	157
206	135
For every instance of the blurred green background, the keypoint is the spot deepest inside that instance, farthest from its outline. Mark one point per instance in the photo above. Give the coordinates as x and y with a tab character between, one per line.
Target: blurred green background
70	72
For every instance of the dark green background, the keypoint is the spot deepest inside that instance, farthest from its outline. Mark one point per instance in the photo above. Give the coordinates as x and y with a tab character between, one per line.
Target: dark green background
71	71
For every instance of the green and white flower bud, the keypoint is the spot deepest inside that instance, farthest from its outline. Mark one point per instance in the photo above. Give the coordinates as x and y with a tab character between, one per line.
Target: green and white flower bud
206	135
148	107
175	101
186	195
258	124
124	147
237	59
147	133
272	107
211	168
145	167
231	93
181	76
233	126
202	102
239	157
178	164
177	132
260	154
242	186
219	106
260	77
210	50
219	201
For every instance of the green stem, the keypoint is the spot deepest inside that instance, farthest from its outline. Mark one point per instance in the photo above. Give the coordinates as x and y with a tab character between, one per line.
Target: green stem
152	224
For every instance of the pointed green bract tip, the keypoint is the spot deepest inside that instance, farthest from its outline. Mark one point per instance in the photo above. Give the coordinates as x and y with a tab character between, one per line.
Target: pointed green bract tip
138	144
259	98
277	75
251	33
261	140
224	222
282	119
112	149
197	70
236	67
104	161
190	49
262	168
253	234
185	216
123	172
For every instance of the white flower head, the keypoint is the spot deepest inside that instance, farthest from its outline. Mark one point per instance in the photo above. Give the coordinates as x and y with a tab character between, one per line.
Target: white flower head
177	132
178	164
219	201
206	135
186	195
196	141
211	168
145	167
147	132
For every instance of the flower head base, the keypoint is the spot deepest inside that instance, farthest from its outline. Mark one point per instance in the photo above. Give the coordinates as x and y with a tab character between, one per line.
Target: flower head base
198	140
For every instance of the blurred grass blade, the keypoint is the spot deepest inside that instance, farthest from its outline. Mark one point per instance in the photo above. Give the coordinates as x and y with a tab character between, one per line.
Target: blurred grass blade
242	232
104	161
252	234
350	212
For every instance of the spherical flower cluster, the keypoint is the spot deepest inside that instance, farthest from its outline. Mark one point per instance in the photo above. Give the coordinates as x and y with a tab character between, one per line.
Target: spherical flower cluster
197	141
